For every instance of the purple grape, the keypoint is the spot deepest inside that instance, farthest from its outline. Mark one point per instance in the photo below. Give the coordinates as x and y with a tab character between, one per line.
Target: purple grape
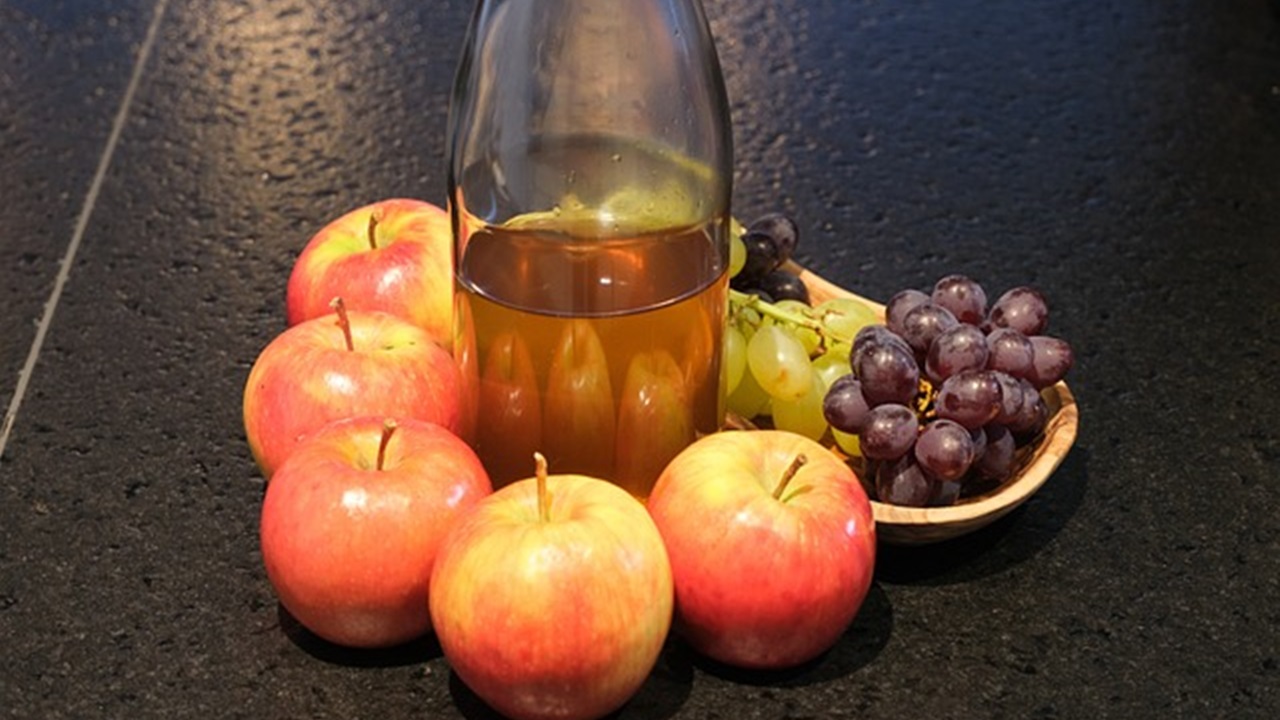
844	406
872	335
1031	416
1051	359
902	482
899	305
783	285
997	462
955	350
923	323
946	493
762	259
1009	351
979	438
1023	309
945	450
1010	397
889	432
971	398
781	230
889	374
963	297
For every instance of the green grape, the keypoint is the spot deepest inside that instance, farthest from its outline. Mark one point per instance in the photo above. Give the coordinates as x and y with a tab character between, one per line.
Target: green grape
842	318
737	254
830	366
779	363
735	356
748	400
793	306
808	337
748	321
803	416
848	442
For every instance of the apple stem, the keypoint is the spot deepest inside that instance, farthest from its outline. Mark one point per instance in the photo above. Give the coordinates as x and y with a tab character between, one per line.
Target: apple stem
544	497
388	429
789	473
375	217
344	322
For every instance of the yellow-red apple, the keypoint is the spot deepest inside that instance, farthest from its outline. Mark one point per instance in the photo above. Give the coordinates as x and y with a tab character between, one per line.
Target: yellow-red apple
352	521
345	365
392	256
772	546
552	597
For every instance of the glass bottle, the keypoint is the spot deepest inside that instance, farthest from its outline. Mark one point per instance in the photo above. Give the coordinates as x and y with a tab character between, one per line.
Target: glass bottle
590	164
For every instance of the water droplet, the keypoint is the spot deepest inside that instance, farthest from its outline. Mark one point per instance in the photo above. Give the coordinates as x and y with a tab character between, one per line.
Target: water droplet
617	157
555	210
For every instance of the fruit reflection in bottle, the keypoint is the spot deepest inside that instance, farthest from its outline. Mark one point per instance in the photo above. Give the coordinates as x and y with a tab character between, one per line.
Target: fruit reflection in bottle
510	427
579	404
655	422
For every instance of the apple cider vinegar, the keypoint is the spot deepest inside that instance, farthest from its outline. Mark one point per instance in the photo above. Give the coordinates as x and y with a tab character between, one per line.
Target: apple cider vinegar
590	172
594	328
624	373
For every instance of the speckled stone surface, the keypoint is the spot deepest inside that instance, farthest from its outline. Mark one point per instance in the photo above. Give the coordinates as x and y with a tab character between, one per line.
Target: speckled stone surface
1124	157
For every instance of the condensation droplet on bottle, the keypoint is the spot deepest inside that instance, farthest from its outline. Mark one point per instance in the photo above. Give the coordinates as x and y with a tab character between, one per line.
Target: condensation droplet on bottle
617	157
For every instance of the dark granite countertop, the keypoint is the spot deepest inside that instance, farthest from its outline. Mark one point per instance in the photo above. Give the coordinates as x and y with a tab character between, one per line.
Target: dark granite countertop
164	160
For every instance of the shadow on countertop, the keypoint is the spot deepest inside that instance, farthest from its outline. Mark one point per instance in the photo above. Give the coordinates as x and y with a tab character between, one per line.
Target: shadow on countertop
414	652
662	695
1009	541
670	683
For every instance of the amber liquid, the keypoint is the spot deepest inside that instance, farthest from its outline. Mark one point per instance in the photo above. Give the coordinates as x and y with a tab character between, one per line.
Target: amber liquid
590	319
602	354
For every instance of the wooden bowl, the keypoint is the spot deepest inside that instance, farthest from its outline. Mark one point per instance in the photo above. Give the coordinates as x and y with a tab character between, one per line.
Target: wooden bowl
919	526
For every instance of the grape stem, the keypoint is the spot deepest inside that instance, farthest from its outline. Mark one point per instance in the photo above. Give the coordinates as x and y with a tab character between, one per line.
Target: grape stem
748	300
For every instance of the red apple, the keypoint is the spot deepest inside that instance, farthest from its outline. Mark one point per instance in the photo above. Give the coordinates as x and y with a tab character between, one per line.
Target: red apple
352	521
552	597
393	256
772	546
345	365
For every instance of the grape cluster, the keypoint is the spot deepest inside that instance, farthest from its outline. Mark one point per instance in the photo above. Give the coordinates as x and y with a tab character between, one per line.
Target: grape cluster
763	247
781	353
942	394
935	400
